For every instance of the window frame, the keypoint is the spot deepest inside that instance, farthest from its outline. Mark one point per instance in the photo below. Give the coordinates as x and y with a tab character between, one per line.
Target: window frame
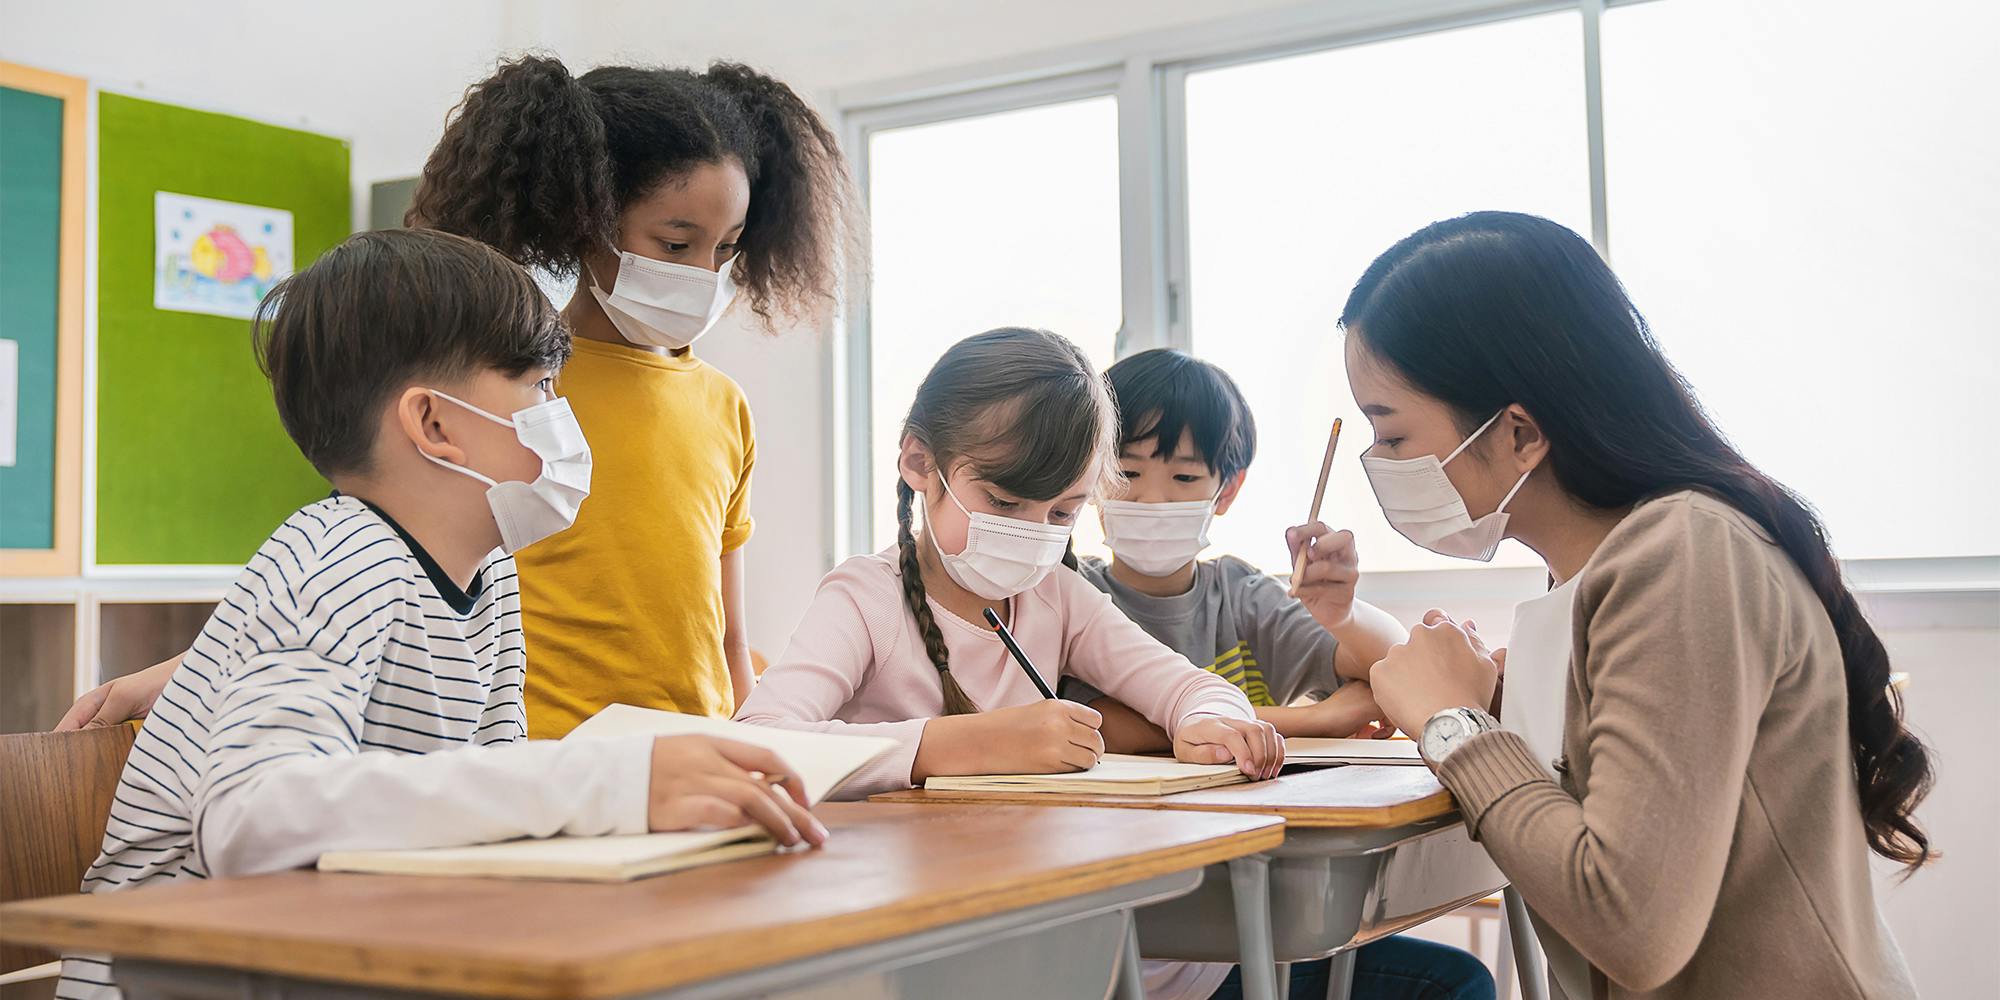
1147	73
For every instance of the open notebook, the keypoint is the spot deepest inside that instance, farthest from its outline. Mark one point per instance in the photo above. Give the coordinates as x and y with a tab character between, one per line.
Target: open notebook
1305	750
1115	774
821	762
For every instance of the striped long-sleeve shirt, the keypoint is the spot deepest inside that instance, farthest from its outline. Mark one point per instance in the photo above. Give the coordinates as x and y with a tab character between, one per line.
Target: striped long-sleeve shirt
347	695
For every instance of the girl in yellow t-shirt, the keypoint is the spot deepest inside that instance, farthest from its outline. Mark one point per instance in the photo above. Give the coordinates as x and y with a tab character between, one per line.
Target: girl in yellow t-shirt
668	194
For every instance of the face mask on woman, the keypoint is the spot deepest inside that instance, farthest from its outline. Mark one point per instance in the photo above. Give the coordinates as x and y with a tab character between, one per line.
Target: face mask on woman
1421	503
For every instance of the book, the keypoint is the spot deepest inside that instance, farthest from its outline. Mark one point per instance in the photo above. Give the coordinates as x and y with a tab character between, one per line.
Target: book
821	762
1115	774
1307	750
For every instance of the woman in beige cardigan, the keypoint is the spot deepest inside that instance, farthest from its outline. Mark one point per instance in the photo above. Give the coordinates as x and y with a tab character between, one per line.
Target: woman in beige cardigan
1698	747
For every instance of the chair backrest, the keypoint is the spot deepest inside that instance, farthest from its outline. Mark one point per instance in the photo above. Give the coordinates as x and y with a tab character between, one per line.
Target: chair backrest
55	796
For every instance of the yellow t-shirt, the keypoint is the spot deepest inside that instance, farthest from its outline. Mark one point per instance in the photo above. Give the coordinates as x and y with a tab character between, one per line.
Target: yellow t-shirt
626	605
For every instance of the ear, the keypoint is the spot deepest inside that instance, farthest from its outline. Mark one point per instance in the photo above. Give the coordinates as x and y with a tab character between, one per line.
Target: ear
916	465
417	415
1224	499
1526	442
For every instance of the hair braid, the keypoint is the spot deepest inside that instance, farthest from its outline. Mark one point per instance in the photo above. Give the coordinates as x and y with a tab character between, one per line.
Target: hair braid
956	701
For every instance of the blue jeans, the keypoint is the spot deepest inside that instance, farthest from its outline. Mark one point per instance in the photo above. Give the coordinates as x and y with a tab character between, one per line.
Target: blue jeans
1394	968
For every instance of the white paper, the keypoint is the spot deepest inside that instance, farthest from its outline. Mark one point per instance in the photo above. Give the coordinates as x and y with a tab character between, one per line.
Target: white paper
10	399
217	257
821	761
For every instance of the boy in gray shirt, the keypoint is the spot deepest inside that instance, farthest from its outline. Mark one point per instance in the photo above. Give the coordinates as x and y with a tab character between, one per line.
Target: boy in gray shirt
1185	439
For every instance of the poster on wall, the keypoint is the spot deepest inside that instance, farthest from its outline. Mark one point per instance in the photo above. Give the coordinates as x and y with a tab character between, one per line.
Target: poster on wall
217	257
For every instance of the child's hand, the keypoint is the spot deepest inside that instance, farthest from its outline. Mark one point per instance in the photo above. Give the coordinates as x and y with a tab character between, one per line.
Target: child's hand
119	700
1349	712
702	781
1047	737
1256	747
1327	574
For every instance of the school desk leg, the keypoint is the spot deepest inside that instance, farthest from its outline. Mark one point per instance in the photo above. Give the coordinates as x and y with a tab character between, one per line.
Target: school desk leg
1527	956
1340	975
1131	984
1250	885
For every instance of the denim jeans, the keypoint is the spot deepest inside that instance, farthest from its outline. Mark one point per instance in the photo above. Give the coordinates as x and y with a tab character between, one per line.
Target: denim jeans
1394	968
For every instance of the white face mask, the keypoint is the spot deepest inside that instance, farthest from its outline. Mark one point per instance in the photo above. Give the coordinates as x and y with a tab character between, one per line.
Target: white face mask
1155	539
1003	556
1420	502
529	512
664	304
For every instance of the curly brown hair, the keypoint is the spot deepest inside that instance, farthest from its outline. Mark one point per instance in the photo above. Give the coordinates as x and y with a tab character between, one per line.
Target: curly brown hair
539	164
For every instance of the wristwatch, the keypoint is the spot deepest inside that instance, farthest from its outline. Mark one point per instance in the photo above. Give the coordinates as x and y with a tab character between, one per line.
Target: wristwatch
1450	729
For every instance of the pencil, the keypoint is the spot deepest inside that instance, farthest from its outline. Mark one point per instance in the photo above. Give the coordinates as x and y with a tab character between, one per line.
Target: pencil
1319	497
1019	657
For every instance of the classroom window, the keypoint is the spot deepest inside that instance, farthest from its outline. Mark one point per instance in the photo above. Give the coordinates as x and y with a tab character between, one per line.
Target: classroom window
1803	200
1000	219
1300	170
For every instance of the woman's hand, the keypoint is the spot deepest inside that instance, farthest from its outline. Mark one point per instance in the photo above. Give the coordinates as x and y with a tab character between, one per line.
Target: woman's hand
1443	665
126	698
1328	573
702	781
1256	747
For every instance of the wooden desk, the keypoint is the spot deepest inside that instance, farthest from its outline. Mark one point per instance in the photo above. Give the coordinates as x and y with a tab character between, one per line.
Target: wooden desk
1369	850
896	887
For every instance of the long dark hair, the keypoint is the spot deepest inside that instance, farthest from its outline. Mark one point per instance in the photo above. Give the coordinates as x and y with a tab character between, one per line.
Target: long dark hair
1031	414
538	164
1495	308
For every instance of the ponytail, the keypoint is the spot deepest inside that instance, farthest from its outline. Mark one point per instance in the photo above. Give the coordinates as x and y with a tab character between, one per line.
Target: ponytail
956	701
523	167
803	227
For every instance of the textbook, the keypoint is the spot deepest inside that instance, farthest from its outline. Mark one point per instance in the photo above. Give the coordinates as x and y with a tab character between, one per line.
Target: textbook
1115	774
821	761
1308	750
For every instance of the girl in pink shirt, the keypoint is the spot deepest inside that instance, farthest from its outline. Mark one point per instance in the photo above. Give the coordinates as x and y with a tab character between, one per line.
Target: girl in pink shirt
1011	434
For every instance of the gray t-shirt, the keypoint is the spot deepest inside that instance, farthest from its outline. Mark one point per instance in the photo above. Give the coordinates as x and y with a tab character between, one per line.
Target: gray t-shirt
1234	622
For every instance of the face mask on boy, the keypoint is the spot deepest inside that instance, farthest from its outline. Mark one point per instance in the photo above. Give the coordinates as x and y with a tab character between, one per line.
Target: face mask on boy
529	512
664	304
1421	503
1156	539
1003	556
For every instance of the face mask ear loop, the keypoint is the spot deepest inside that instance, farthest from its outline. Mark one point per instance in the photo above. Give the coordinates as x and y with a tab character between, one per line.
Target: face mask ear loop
1474	436
502	421
1518	483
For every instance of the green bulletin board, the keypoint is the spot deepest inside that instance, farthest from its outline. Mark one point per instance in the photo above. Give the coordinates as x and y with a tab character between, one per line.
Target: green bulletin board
30	240
192	464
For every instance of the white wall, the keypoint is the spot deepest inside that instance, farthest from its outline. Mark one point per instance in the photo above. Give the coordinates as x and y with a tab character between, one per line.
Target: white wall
379	73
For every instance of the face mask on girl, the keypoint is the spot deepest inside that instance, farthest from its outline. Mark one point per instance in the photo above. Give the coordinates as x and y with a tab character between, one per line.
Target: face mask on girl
526	513
1156	539
1003	556
1421	503
664	304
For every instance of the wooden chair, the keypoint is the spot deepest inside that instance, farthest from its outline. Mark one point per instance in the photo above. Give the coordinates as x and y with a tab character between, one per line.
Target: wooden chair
55	796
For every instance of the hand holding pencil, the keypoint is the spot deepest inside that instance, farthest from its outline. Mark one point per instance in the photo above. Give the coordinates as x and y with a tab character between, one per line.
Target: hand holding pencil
1325	565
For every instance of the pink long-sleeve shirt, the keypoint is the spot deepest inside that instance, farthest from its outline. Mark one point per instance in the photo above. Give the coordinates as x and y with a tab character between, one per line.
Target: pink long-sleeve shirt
857	664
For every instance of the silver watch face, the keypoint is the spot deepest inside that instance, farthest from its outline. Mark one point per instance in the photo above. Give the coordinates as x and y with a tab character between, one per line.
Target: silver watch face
1441	734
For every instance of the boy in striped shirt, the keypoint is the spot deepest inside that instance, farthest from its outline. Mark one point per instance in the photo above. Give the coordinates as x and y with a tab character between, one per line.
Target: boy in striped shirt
359	687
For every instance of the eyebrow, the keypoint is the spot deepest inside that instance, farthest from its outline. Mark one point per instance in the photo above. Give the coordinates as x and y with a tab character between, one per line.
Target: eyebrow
1378	410
685	224
1134	455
